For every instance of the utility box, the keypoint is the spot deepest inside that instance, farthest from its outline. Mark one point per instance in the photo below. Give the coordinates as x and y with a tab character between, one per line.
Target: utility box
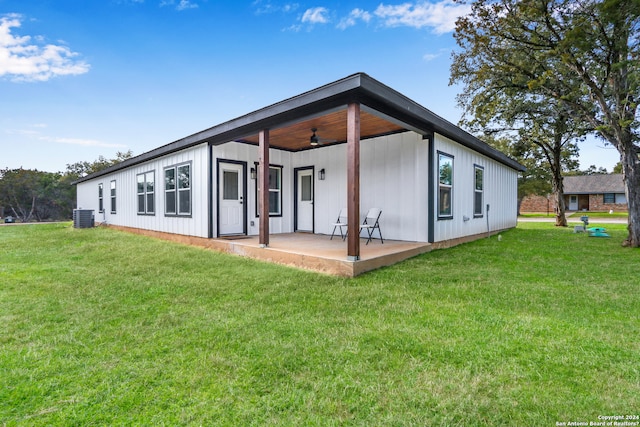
83	218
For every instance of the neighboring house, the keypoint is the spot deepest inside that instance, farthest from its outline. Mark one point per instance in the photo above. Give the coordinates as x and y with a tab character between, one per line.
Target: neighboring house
596	193
353	143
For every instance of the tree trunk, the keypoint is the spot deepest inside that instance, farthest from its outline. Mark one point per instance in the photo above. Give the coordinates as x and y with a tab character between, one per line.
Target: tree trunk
557	185
631	173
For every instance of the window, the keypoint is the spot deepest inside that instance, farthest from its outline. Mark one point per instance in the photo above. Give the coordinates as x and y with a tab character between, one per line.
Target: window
146	193
113	197
445	186
614	198
177	190
478	190
275	191
100	198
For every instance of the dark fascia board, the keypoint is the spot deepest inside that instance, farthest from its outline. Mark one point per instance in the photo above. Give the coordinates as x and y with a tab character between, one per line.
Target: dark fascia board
358	87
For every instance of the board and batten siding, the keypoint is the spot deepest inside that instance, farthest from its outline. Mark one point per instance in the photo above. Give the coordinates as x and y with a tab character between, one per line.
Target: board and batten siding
500	193
237	152
391	166
393	177
196	224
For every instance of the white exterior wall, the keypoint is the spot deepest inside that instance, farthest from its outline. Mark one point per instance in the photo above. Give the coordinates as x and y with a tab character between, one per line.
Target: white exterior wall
234	151
126	195
394	177
389	166
500	193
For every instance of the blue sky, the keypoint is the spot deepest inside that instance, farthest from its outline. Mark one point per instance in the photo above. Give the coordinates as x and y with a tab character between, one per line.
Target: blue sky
80	79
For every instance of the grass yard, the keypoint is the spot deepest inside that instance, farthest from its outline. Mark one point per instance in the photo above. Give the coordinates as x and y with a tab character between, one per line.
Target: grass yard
101	327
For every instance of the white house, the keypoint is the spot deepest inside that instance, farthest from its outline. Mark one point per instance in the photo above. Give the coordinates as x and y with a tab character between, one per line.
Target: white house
353	143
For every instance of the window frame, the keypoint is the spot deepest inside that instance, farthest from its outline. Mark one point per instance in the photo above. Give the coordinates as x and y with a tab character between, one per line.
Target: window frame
476	191
146	193
611	195
443	215
101	197
280	170
177	191
112	193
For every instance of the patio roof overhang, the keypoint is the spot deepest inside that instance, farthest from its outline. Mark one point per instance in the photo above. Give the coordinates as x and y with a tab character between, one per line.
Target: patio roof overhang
384	111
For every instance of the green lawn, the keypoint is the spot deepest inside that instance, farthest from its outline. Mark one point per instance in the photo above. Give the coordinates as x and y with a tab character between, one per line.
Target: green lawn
101	327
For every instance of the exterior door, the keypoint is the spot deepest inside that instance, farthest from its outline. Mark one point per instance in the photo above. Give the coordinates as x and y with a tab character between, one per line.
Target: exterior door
231	199
304	199
573	203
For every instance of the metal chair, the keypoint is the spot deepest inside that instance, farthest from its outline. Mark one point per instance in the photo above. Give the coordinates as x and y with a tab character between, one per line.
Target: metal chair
371	223
340	222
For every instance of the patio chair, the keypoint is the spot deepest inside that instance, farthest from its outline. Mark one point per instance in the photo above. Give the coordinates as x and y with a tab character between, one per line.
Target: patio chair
371	222
340	222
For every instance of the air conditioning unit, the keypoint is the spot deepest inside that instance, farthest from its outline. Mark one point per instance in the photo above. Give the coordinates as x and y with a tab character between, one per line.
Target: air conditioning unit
83	218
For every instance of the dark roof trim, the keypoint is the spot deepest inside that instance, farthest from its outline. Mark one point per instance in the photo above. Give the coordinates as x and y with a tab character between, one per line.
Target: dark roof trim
355	88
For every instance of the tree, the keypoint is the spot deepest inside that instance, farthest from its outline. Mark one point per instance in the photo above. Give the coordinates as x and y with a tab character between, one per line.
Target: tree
33	195
536	179
84	168
581	55
20	190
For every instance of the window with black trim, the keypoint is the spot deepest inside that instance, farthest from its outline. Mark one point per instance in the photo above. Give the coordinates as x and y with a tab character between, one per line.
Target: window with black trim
478	190
177	190
445	186
608	198
100	198
275	191
146	193
113	197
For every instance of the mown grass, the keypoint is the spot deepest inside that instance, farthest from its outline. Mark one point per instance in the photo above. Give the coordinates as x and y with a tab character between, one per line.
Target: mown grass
100	327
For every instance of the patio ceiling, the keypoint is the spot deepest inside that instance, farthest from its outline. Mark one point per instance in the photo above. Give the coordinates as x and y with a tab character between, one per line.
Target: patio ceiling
331	129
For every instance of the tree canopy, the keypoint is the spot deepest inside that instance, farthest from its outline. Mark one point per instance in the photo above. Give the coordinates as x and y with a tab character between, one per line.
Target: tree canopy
32	195
575	62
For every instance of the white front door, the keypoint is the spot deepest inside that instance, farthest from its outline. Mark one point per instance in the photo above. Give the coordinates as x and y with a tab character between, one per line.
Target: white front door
304	200
231	195
573	203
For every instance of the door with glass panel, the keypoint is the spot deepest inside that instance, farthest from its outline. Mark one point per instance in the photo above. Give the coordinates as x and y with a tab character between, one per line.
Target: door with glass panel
231	212
304	200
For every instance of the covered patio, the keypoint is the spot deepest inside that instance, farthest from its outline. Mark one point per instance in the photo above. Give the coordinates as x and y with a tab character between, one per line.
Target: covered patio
315	252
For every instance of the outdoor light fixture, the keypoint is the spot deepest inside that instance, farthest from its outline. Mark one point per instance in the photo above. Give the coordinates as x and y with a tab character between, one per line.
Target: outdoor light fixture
314	140
253	173
321	174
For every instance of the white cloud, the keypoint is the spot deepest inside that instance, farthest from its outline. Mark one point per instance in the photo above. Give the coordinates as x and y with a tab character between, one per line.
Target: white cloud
82	142
316	15
181	5
352	19
431	56
440	16
24	59
186	4
266	6
39	136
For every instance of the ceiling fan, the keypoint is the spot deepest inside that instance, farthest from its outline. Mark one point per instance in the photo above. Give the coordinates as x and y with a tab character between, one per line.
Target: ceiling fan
315	140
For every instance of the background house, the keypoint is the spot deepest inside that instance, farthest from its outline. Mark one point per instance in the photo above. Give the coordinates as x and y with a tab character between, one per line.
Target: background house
595	193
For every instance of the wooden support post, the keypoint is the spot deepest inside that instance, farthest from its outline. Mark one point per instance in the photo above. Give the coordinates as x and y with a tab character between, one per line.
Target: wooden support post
353	181
263	182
